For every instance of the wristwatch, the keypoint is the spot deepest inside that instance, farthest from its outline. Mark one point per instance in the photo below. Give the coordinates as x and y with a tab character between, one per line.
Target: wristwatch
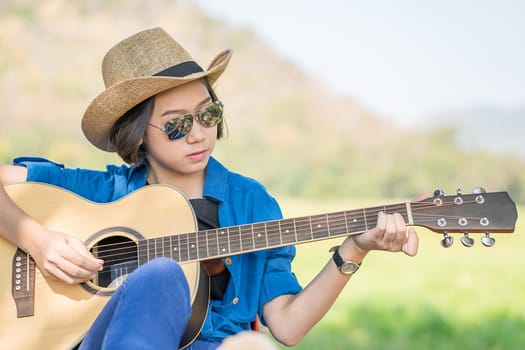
346	267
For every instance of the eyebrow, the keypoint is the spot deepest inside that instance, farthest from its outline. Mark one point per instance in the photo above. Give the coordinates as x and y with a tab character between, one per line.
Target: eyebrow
180	111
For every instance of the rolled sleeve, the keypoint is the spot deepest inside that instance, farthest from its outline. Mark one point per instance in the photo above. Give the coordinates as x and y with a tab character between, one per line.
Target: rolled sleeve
278	278
95	185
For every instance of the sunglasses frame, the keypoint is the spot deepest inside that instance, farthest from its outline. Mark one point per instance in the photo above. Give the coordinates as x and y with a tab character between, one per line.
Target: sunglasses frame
180	126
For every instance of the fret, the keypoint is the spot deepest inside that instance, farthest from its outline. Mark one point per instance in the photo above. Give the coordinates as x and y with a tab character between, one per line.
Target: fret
353	223
319	226
151	249
213	243
348	230
303	229
192	246
202	245
259	235
273	234
287	229
373	219
247	238
142	251
166	251
234	234
174	251
225	230
175	247
224	247
336	224
159	248
184	247
409	219
366	223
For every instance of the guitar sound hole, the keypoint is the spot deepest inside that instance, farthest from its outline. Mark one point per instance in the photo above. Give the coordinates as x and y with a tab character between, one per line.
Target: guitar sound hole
120	259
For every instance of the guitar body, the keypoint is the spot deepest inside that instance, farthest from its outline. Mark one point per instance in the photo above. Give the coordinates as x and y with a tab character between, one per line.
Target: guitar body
63	313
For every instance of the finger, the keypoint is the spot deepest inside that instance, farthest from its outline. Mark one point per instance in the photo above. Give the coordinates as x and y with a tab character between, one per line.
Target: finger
381	223
391	231
66	264
84	258
411	244
401	231
56	273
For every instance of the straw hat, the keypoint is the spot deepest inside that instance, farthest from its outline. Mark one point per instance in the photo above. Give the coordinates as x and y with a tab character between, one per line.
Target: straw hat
137	68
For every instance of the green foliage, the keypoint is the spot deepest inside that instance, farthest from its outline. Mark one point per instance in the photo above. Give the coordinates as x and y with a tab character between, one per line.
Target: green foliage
411	164
394	327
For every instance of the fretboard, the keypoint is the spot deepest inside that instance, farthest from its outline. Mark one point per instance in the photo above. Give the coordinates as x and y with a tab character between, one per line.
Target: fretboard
215	243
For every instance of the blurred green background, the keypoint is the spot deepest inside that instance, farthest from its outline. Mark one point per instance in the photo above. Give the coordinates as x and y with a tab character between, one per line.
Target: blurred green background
443	298
316	151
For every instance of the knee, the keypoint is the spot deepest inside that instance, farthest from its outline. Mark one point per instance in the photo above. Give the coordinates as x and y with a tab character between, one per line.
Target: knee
162	275
162	268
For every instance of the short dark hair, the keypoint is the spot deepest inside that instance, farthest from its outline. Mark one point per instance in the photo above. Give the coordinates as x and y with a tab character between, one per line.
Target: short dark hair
128	131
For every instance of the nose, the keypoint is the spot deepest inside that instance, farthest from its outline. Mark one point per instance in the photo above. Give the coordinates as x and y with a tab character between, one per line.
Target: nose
196	133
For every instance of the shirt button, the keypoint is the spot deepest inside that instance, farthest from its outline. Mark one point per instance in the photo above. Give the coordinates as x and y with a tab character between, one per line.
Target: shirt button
235	301
228	261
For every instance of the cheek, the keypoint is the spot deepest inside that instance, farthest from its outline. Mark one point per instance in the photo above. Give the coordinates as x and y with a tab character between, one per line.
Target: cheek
211	133
157	142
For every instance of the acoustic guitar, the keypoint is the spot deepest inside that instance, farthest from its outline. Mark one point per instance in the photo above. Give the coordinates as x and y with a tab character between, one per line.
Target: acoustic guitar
157	221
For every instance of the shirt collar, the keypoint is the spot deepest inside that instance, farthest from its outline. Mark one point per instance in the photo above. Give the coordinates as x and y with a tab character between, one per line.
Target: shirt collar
215	180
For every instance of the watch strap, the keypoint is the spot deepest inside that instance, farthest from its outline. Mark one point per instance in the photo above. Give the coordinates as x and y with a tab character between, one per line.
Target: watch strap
339	261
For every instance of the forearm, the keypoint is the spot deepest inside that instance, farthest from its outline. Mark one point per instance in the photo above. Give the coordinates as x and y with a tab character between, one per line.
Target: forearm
57	254
291	317
15	225
297	314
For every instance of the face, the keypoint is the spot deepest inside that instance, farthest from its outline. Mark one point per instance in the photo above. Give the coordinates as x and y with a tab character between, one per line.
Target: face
189	155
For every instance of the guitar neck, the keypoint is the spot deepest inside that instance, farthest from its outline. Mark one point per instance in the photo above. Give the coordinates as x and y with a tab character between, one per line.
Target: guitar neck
227	241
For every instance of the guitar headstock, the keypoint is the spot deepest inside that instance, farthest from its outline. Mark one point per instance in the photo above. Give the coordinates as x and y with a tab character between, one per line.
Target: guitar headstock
480	212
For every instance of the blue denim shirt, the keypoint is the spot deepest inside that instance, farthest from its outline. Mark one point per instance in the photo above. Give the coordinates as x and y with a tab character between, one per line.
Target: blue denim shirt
256	278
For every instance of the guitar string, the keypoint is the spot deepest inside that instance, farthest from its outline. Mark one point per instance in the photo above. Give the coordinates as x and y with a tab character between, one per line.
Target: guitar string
279	242
335	219
368	217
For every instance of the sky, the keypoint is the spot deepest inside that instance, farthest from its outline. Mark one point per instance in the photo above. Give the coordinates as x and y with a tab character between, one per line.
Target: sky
405	59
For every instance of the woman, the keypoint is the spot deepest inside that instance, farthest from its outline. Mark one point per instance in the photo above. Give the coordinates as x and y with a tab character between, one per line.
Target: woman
160	114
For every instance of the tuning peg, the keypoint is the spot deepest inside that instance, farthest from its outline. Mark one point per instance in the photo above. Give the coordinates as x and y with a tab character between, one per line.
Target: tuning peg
447	240
488	241
479	190
466	240
437	197
459	192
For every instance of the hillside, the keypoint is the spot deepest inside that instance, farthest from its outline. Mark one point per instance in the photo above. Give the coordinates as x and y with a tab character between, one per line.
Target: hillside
485	127
285	128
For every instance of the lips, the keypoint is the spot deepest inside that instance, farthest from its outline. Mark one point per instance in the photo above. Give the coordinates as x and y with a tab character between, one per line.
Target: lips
197	155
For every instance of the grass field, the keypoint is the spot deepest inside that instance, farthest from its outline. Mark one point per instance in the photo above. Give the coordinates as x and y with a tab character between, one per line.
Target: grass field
454	298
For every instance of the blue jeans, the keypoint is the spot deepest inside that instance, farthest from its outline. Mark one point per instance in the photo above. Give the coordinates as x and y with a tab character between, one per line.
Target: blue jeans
149	310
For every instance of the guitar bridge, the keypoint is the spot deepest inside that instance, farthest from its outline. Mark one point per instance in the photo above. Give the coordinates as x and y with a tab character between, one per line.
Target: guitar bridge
23	283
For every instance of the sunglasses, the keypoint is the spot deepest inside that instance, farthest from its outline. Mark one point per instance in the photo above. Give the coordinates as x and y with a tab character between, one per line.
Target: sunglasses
209	116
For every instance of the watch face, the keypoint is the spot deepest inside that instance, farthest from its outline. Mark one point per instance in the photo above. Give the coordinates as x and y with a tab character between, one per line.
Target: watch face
349	267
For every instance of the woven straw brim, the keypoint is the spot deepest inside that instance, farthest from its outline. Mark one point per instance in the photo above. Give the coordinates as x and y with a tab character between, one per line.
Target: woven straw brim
116	100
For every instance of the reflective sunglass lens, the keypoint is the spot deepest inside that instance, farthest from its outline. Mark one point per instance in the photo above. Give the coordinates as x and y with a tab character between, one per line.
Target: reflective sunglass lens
211	115
178	128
